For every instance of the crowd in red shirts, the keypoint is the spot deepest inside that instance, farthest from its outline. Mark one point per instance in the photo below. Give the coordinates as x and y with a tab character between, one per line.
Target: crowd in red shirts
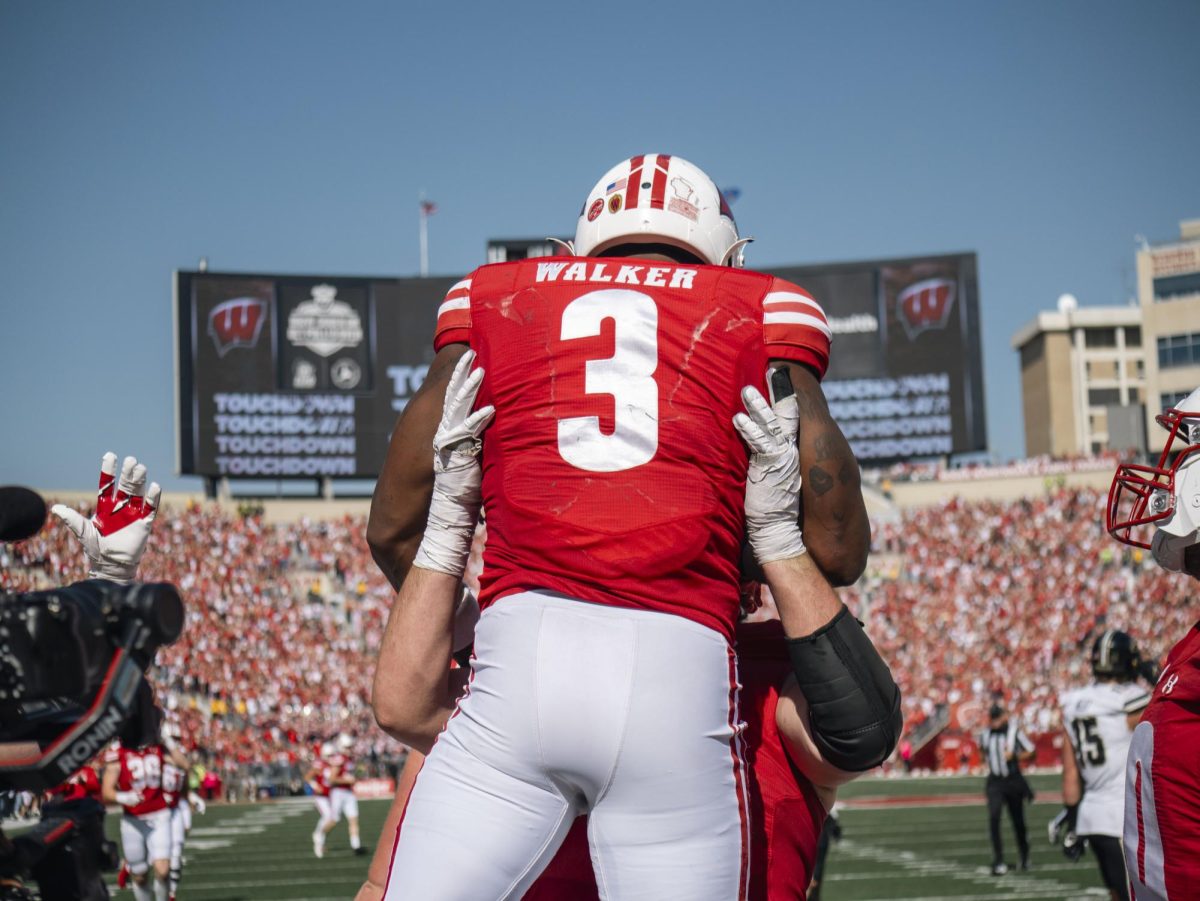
967	600
283	620
282	626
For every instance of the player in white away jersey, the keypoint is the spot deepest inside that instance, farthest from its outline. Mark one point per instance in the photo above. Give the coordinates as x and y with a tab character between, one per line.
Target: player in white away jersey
1099	720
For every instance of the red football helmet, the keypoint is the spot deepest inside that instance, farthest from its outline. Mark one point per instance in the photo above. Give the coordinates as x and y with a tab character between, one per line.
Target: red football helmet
1145	497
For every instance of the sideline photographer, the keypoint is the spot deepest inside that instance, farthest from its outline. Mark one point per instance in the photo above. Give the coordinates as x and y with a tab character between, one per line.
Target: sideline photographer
72	678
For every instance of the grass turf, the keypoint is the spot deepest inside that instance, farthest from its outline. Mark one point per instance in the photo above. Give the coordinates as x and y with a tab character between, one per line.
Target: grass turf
930	843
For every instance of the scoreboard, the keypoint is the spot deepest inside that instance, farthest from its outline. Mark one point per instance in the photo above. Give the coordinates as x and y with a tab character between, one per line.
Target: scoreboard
905	374
296	376
287	376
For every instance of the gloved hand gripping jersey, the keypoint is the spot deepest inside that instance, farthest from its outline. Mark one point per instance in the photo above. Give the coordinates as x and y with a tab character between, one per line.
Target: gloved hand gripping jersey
853	702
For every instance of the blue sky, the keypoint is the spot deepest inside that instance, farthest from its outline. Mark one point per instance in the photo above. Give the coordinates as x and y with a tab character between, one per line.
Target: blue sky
294	137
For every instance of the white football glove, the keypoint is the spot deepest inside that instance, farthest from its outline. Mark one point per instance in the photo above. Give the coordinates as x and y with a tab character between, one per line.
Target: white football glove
457	475
128	798
197	803
773	477
114	539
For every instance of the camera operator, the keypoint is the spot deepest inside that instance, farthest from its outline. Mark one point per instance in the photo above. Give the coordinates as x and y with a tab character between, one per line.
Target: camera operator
72	676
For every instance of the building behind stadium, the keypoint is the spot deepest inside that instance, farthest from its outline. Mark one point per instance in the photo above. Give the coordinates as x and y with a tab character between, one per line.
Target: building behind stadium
1094	378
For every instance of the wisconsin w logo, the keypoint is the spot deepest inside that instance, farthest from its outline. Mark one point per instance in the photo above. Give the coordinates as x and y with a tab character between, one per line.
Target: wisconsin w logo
236	323
925	305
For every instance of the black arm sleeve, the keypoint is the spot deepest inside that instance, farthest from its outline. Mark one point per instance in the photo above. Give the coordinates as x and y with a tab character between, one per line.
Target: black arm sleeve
853	702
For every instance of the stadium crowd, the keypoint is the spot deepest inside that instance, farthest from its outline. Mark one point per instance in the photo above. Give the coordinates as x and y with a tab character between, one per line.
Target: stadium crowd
284	619
967	600
278	650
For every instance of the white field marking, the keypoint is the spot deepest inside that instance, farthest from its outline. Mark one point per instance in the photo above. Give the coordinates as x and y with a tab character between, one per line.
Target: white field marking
1032	886
113	890
949	800
197	886
295	866
211	831
1080	895
207	844
1065	866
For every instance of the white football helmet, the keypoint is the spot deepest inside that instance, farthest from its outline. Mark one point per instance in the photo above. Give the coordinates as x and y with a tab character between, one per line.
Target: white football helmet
328	749
345	742
659	199
1165	497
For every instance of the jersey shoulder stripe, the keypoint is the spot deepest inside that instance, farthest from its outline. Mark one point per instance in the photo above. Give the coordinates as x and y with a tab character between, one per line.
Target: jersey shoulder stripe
454	315
795	326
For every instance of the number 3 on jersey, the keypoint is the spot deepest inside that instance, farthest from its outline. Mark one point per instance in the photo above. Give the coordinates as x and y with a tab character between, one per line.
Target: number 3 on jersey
628	375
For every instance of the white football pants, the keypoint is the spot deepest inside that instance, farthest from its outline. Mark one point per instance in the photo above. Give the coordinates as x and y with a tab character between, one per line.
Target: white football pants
145	839
626	715
342	803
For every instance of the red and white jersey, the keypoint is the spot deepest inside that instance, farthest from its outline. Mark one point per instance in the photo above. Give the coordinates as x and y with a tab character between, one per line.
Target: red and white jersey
331	772
174	783
338	772
786	816
1162	785
318	781
612	471
141	772
84	783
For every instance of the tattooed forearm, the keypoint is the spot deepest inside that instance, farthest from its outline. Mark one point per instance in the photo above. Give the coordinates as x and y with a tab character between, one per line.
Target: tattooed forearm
820	481
836	529
829	445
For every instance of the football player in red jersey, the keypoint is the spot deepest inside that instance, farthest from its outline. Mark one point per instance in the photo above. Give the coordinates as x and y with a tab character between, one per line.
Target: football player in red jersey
180	801
315	777
133	778
84	783
787	802
787	809
332	780
1158	508
614	541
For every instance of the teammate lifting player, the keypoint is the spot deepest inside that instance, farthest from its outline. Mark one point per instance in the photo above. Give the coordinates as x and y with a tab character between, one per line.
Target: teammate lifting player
786	813
613	546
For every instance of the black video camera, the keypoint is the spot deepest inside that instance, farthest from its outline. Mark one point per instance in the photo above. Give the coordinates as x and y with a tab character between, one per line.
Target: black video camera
72	678
72	665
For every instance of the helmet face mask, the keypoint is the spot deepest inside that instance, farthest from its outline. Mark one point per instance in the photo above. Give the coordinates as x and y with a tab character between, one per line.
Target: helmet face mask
663	200
1145	497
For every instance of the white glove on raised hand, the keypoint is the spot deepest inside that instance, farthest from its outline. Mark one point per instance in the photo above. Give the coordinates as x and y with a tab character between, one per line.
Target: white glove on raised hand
773	477
457	475
128	798
114	539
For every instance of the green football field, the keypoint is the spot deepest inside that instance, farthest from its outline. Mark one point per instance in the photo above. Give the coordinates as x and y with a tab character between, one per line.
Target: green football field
928	839
913	838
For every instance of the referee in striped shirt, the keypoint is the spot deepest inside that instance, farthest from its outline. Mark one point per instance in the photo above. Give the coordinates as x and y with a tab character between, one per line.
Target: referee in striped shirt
1005	747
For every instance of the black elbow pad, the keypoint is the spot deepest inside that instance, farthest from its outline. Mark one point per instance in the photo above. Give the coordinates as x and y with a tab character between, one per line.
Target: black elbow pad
853	702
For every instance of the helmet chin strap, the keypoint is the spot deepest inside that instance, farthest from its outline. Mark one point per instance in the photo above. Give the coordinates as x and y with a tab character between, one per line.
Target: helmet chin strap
567	245
734	254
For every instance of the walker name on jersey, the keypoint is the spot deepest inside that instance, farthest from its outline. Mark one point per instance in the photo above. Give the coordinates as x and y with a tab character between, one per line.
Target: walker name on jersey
651	276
